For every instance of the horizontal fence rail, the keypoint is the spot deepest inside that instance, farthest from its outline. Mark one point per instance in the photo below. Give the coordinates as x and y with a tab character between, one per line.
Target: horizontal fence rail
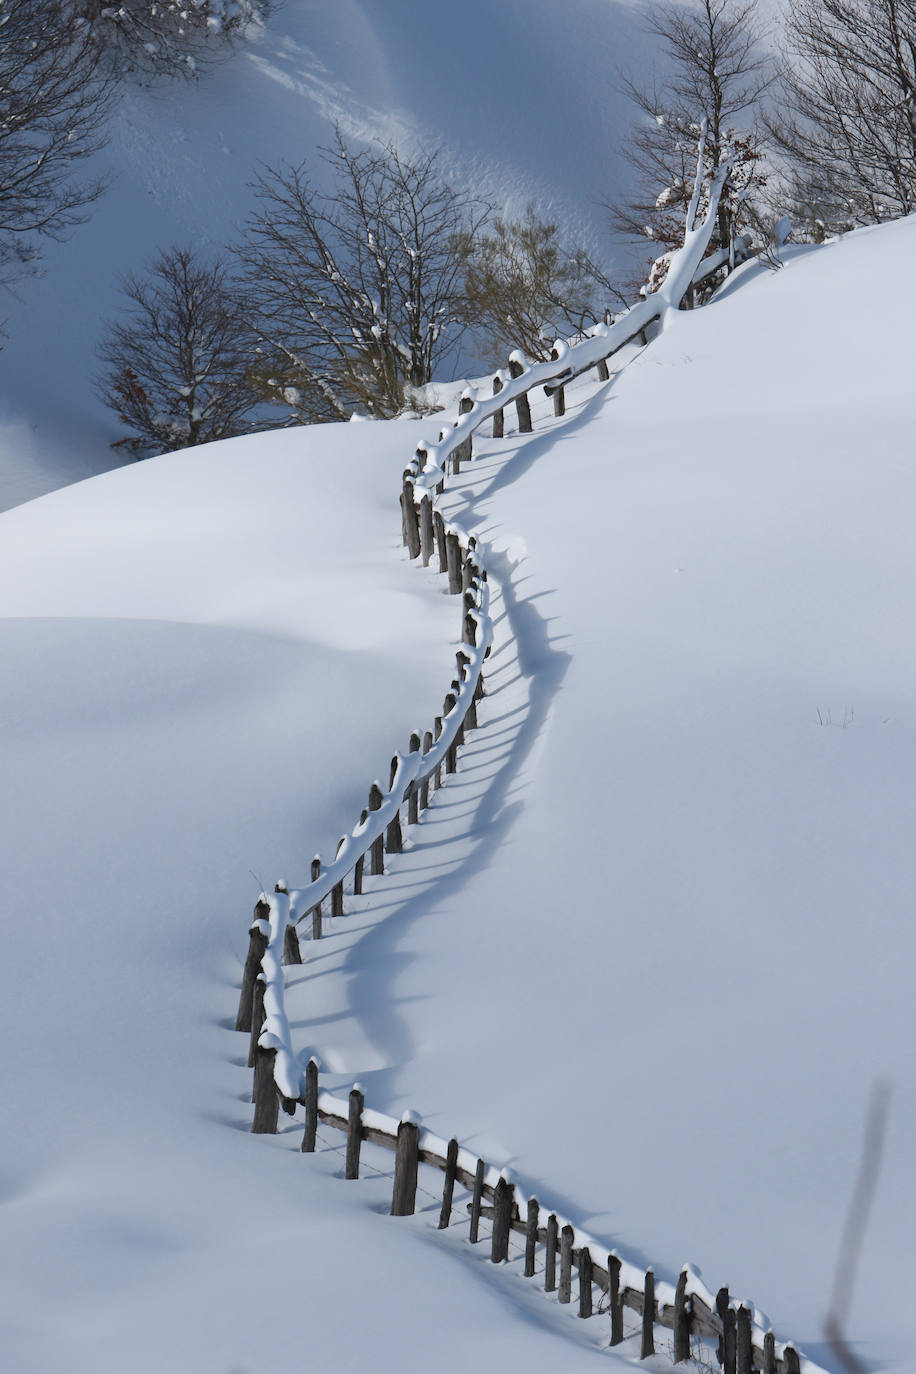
744	1344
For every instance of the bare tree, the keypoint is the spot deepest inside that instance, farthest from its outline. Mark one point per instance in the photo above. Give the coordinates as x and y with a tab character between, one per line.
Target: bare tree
717	71
169	37
524	287
54	104
177	367
847	118
359	291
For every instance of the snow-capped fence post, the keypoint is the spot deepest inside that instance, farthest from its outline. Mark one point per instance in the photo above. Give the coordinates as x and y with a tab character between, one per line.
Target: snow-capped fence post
469	619
790	1355
522	408
411	524
257	1018
310	1103
316	910
498	417
601	368
566	1249
502	1220
360	862
769	1354
463	453
647	1344
451	754
378	845
257	944
681	1319
744	1342
448	1188
292	954
394	842
550	1253
559	393
439	527
470	715
438	773
424	785
585	1282
354	1131
531	1236
337	891
413	796
453	556
266	1097
476	1200
406	1160
614	1301
426	530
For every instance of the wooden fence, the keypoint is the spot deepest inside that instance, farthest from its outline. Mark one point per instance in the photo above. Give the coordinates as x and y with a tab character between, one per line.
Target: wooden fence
688	1309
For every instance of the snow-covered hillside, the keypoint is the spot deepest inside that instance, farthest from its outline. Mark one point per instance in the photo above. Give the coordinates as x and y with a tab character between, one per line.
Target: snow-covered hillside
520	98
651	946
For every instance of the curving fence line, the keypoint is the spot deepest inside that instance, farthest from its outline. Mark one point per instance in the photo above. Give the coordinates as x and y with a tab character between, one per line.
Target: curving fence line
744	1343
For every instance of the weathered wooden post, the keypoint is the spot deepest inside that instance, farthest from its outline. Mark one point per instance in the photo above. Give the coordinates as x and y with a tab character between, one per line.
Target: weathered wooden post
453	557
292	954
394	842
310	1102
413	800
769	1353
522	408
437	776
614	1298
451	754
647	1345
601	368
722	1301
266	1097
585	1282
427	537
681	1319
559	401
731	1342
550	1253
257	1019
378	845
439	528
406	1161
744	1342
258	940
354	1131
476	1201
316	910
360	862
409	516
463	453
499	416
337	891
502	1220
531	1236
469	622
566	1249
424	785
448	1188
464	664
792	1362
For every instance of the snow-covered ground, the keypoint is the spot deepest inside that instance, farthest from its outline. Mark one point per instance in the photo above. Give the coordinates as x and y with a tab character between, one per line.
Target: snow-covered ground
655	946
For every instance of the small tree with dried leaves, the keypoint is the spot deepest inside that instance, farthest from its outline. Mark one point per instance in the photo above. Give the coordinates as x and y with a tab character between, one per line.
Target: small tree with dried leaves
524	287
176	369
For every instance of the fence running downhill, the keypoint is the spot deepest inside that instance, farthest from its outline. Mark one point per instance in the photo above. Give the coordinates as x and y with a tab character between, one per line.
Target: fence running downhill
688	1309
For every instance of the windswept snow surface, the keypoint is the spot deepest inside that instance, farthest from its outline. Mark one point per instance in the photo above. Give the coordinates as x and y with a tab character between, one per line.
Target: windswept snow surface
655	944
207	657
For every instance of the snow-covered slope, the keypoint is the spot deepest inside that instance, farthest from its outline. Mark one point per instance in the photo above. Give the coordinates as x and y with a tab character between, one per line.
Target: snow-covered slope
520	98
666	913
